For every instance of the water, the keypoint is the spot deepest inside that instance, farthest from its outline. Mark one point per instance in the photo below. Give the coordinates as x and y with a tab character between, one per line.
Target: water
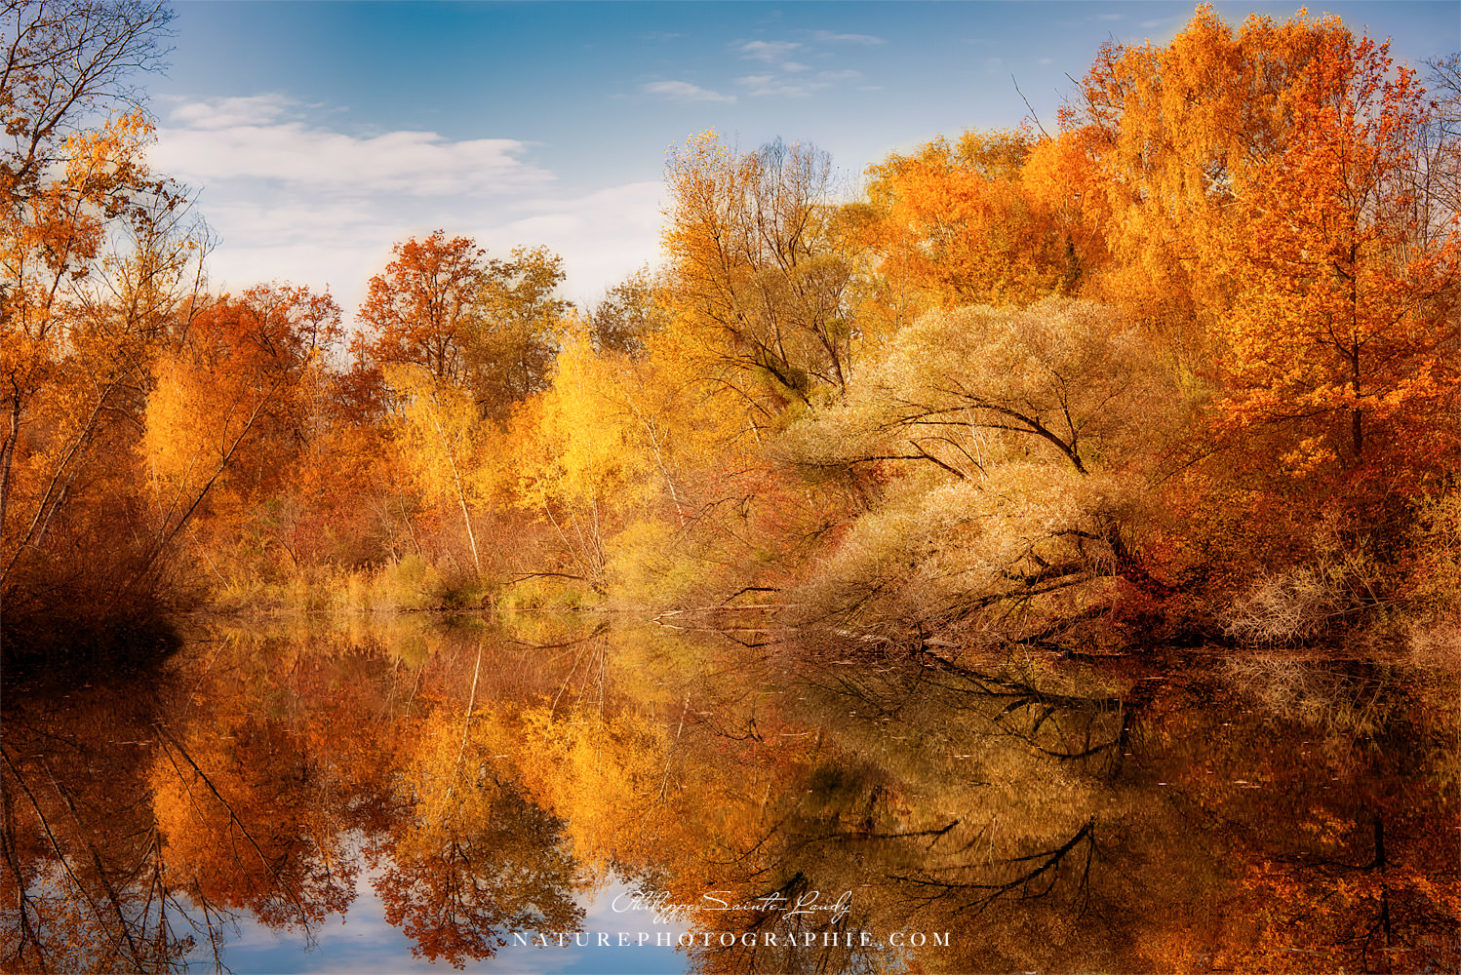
574	797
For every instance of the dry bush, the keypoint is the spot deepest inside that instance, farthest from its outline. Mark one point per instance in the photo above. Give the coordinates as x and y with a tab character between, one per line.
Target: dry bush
1283	607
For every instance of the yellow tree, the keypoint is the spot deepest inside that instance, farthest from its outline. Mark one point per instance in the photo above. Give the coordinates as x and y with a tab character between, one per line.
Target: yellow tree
759	270
625	456
439	432
586	460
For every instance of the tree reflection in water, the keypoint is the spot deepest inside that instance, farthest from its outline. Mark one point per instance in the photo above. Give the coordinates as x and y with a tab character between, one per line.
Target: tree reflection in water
1182	815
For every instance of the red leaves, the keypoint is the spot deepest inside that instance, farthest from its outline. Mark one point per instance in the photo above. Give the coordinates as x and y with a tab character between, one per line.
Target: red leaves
417	308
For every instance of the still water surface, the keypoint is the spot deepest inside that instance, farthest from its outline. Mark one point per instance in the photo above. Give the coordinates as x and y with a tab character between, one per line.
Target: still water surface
571	797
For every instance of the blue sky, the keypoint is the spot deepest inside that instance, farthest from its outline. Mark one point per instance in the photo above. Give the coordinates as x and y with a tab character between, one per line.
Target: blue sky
319	133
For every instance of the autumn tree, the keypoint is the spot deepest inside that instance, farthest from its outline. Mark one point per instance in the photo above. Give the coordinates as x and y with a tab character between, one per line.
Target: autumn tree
234	407
64	62
629	313
1010	449
421	308
1344	325
440	436
958	223
615	441
454	338
1172	132
513	355
1266	220
97	260
759	271
579	464
484	324
1270	195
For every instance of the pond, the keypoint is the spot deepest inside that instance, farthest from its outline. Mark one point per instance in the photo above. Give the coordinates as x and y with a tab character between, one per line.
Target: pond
575	796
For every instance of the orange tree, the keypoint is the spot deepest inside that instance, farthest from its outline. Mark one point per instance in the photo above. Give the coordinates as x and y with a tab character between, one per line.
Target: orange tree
960	224
1258	186
1343	330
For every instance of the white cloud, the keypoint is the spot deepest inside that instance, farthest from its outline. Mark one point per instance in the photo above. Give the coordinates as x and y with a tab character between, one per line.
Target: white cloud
684	91
292	199
831	37
252	138
768	51
602	237
223	113
786	78
759	85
